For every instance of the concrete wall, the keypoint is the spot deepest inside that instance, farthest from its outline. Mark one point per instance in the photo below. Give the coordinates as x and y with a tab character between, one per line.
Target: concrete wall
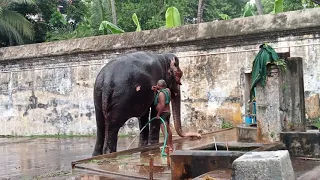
47	88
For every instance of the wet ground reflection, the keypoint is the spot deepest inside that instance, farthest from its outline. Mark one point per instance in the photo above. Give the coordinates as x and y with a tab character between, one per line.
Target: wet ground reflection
24	158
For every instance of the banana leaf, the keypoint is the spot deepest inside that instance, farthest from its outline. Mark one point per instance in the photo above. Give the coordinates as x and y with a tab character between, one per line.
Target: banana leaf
106	25
172	17
136	22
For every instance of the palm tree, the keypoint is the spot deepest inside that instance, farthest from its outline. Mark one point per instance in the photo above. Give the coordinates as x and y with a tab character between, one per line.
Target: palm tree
259	6
14	26
200	10
113	10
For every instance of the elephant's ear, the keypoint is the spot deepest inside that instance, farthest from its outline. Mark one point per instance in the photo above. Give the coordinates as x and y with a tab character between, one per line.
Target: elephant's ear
174	66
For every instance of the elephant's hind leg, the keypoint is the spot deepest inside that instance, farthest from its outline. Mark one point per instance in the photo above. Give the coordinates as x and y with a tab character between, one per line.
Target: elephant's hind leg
112	127
100	132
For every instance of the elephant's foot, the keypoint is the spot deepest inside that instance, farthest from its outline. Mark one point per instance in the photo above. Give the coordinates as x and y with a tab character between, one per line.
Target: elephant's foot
96	153
143	143
154	142
98	148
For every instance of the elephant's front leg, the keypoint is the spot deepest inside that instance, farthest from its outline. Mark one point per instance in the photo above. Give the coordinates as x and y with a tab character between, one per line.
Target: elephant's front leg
144	135
154	127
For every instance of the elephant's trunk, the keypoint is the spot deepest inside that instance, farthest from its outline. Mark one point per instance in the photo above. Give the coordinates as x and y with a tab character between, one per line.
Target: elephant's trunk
176	108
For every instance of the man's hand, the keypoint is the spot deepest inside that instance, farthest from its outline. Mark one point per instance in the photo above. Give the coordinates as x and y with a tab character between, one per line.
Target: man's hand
154	88
157	117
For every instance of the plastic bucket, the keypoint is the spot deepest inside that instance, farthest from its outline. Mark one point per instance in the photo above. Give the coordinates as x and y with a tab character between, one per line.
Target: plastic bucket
248	119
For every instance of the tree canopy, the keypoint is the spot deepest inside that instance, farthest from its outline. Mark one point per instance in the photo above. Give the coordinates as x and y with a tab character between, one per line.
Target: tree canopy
65	19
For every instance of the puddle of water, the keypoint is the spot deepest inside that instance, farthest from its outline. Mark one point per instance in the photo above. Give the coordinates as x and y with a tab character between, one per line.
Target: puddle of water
303	166
23	158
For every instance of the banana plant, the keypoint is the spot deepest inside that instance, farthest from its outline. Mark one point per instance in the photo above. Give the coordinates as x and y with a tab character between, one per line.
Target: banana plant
224	16
248	10
106	26
278	6
136	22
172	17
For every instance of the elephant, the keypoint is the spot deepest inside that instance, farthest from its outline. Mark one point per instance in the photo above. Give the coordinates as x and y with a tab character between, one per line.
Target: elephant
123	90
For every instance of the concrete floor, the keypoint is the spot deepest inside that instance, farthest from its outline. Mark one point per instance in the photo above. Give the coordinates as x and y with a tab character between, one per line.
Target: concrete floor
41	158
50	158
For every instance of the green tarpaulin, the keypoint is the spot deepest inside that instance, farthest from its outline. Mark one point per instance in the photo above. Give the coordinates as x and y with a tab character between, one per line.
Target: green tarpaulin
265	56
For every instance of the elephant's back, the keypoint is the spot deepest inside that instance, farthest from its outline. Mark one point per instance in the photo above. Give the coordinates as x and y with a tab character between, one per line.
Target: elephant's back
131	64
128	68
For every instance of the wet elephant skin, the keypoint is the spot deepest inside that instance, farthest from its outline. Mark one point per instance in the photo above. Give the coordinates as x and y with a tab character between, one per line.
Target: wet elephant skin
123	90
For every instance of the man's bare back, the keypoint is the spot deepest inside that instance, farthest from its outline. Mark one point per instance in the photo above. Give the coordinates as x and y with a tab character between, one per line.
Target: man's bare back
162	106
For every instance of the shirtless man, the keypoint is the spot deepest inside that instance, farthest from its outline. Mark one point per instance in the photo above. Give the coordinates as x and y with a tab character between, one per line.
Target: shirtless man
162	102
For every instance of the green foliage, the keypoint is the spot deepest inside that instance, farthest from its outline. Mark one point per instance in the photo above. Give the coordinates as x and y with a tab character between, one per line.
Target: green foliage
288	5
107	27
213	9
282	64
57	20
172	17
278	6
272	135
136	22
226	125
100	11
83	18
248	10
316	123
60	33
224	16
14	26
77	11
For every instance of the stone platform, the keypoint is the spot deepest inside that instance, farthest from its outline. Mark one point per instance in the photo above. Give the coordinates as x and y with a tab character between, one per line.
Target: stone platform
271	165
302	144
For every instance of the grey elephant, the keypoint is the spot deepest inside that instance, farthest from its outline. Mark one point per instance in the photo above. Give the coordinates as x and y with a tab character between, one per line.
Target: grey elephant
123	90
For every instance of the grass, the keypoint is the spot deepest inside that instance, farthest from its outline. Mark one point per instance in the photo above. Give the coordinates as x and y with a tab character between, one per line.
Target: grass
54	174
316	123
226	125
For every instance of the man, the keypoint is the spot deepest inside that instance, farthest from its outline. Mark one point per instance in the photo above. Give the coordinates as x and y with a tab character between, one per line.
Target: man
162	102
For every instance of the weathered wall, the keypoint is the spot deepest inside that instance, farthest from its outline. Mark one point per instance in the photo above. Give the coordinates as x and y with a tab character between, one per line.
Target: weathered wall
47	88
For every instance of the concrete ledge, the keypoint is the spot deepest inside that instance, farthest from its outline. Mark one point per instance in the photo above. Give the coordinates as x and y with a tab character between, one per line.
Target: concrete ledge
265	24
306	144
190	164
247	133
269	165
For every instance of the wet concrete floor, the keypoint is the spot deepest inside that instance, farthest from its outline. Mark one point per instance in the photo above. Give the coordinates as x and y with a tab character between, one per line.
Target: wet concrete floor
50	158
41	158
135	163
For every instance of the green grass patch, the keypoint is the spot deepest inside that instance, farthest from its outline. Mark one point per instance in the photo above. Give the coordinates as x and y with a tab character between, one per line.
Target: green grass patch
125	135
316	123
226	125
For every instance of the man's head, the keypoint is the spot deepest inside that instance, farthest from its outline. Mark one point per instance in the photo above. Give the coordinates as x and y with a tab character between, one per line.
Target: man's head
161	84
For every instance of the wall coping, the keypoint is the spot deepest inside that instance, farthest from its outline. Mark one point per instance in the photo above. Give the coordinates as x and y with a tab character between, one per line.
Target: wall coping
270	23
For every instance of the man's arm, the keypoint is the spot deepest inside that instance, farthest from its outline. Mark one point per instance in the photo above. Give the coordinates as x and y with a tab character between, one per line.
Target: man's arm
161	104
